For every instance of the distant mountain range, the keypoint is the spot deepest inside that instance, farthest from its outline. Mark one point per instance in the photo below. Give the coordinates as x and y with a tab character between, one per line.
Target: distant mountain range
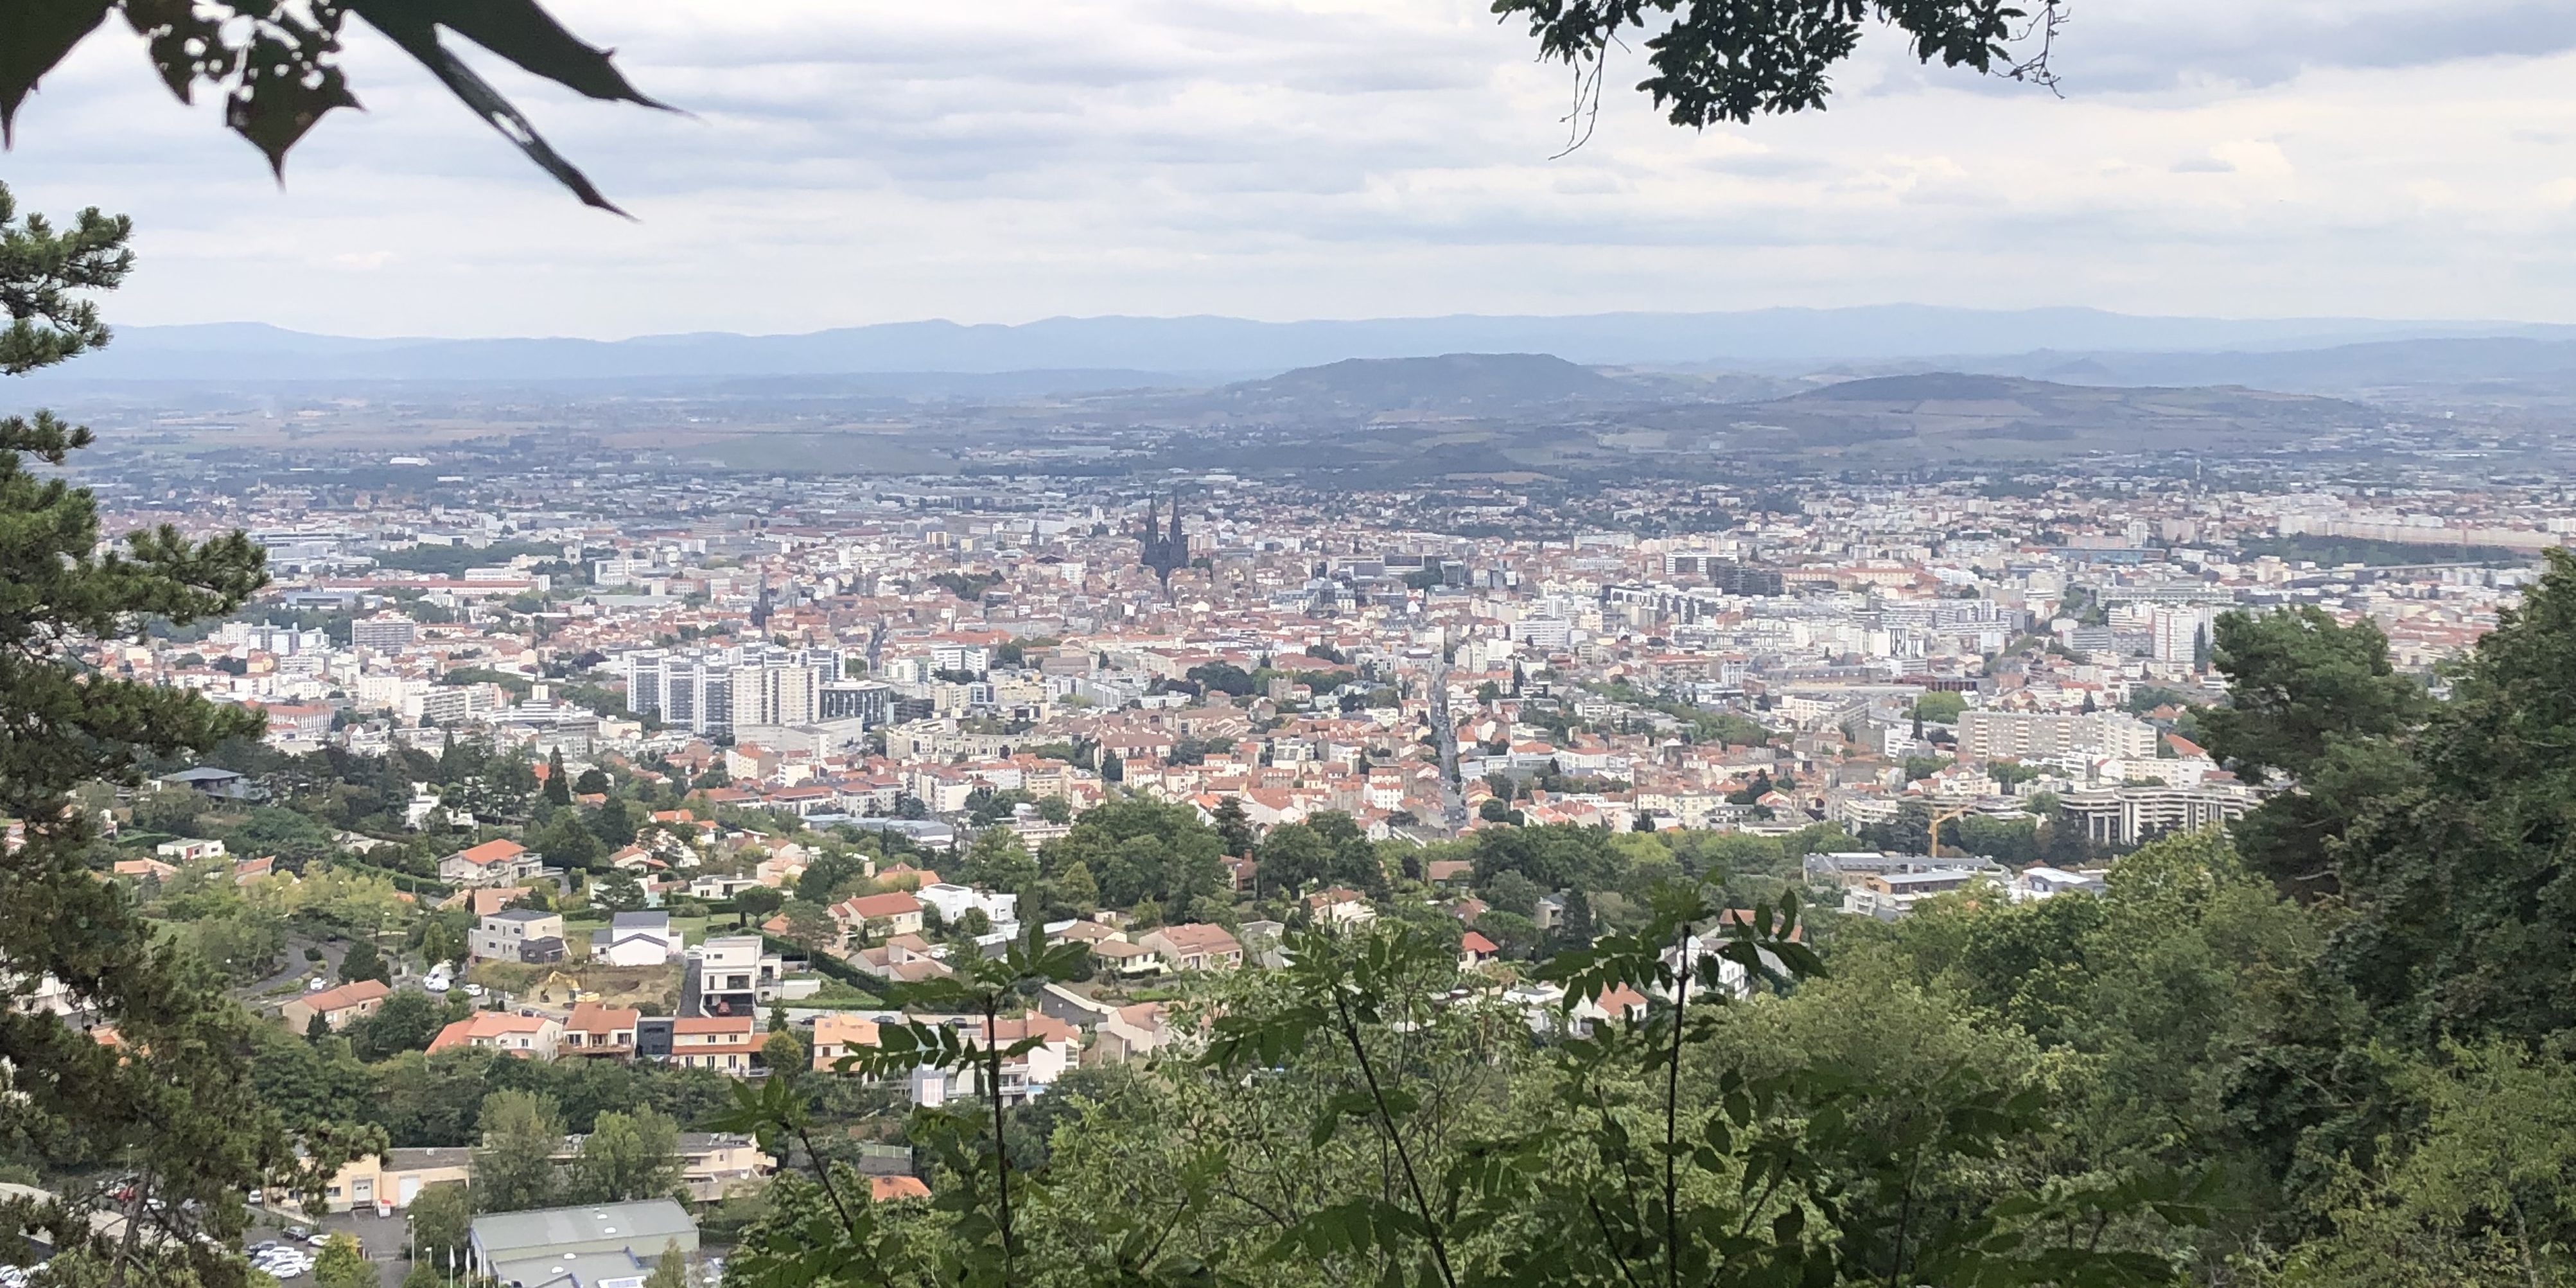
1418	419
1204	351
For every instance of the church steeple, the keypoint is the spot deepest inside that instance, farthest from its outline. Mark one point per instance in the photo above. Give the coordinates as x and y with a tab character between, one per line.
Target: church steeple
1165	553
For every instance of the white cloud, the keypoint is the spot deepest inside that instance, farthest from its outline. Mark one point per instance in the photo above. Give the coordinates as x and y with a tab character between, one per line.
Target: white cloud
1013	159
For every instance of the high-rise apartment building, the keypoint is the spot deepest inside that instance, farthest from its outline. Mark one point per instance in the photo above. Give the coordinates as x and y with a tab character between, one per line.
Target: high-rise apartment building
709	691
2014	735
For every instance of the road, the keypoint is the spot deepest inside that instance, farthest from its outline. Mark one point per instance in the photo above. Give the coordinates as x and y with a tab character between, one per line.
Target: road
296	967
1453	802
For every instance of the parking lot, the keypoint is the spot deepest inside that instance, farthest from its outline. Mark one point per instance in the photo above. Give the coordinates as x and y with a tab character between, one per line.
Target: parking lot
383	1238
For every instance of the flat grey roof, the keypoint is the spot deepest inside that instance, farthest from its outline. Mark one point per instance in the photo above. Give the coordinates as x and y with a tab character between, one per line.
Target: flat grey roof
585	1270
516	1236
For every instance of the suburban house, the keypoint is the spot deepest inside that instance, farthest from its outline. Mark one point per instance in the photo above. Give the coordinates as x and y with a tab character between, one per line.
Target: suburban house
715	1164
903	958
532	1037
954	901
1130	1032
1024	1076
518	935
1340	907
1123	958
593	1029
1195	946
875	916
736	975
395	1177
337	1006
723	1042
491	863
1475	950
837	1035
635	939
483	901
145	869
189	851
209	781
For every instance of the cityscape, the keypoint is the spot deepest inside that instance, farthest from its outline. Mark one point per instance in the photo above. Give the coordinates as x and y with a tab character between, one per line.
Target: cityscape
1107	647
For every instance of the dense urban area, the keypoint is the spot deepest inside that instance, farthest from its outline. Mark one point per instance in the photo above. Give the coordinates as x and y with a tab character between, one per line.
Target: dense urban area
594	790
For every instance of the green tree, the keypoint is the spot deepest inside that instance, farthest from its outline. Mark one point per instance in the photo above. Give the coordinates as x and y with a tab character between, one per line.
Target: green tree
998	859
171	1101
558	783
1136	848
1940	706
514	1168
343	1264
757	903
809	925
365	961
627	1156
1222	677
2486	1195
440	1217
618	891
2448	843
1074	885
671	1269
828	875
407	1021
2315	702
782	1049
566	840
1233	826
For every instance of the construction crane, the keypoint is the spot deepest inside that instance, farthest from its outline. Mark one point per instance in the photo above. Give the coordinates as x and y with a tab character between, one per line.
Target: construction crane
1947	816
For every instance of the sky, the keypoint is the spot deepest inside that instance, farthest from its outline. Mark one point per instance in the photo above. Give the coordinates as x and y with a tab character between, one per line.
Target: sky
841	162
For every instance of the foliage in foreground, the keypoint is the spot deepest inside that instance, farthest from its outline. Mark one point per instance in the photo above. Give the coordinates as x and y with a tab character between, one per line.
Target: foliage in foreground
1368	1115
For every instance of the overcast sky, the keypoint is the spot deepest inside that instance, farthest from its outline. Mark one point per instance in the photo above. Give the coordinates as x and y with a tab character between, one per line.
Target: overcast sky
1003	160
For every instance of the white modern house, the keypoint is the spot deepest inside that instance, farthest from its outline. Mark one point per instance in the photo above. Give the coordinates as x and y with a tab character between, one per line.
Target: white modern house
636	939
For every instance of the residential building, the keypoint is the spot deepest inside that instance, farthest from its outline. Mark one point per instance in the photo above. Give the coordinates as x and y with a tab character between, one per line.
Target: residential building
839	1034
495	862
338	1007
878	916
593	1029
2039	735
531	1037
736	975
2129	815
1194	946
395	1177
716	1164
635	939
722	1042
953	901
518	935
1024	1076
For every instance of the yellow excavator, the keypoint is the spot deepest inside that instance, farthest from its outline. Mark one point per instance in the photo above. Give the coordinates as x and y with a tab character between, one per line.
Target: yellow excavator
571	987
